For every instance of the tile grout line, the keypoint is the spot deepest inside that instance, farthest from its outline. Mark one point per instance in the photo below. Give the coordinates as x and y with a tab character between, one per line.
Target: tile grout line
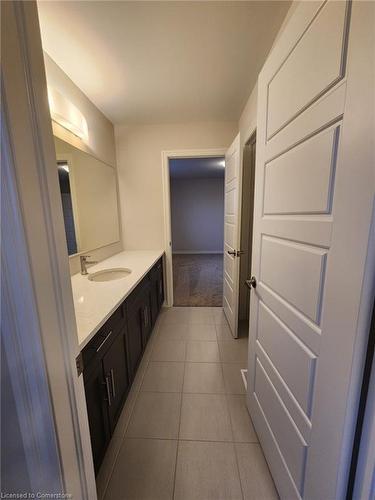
153	438
201	393
233	442
230	420
179	428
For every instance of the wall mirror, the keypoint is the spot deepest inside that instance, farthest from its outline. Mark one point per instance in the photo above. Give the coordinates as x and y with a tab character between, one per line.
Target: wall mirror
88	190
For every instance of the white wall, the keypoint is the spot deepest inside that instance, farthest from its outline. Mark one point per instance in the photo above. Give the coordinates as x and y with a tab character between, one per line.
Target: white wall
101	139
100	143
248	118
140	172
197	209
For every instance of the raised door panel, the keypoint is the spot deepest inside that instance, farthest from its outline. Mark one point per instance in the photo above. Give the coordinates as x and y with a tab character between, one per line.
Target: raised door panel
231	169
306	74
229	266
230	200
295	272
291	443
309	167
291	358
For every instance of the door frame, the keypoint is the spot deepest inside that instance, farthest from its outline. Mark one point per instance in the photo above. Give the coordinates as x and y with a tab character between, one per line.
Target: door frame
251	140
43	343
165	157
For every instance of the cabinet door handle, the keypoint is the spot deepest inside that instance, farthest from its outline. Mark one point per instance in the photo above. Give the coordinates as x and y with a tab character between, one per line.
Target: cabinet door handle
104	341
160	288
109	399
113	383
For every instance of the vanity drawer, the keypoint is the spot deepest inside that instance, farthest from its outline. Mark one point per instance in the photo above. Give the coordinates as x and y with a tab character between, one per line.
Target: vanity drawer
104	337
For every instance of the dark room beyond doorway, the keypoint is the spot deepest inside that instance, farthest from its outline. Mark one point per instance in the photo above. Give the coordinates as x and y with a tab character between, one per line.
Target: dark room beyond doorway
197	210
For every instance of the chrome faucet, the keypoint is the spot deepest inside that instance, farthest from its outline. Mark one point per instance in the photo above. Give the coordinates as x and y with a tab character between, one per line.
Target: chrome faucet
84	262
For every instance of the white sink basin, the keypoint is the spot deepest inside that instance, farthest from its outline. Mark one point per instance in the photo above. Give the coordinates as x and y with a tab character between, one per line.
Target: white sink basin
118	273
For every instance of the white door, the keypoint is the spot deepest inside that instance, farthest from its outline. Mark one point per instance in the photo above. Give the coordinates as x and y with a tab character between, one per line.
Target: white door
313	207
231	234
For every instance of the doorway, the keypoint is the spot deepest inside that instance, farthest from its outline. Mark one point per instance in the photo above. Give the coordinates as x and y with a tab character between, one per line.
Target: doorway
197	230
246	234
167	156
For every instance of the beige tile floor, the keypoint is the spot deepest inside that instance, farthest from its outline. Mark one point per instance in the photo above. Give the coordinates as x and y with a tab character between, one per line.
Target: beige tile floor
185	432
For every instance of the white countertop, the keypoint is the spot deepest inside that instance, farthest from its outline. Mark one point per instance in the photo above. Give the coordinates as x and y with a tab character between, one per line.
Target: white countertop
94	302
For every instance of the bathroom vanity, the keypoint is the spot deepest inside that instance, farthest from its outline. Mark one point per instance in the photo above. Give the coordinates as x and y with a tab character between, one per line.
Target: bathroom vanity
116	301
114	321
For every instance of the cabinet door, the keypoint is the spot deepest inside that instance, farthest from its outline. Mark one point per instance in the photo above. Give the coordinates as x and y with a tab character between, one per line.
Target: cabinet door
134	336
160	288
154	301
116	378
146	316
97	414
157	290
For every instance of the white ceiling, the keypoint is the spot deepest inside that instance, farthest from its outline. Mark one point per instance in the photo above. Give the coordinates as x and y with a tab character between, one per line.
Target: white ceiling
197	168
159	62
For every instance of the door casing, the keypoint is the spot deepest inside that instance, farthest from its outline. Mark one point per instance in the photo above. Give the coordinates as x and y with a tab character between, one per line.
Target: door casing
165	157
42	342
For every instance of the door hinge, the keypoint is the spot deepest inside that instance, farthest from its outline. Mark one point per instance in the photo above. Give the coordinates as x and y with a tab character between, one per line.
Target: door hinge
79	364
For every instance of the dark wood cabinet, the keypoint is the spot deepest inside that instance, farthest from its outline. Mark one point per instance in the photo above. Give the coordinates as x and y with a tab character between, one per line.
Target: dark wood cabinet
135	319
157	290
111	358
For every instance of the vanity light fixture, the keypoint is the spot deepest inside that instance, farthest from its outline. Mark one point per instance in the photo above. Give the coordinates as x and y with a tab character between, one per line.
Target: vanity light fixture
66	114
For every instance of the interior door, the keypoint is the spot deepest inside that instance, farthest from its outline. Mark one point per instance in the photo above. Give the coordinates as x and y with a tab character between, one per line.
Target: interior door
312	216
231	235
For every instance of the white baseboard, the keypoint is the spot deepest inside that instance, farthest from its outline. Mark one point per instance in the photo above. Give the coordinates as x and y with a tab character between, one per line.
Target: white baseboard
188	252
